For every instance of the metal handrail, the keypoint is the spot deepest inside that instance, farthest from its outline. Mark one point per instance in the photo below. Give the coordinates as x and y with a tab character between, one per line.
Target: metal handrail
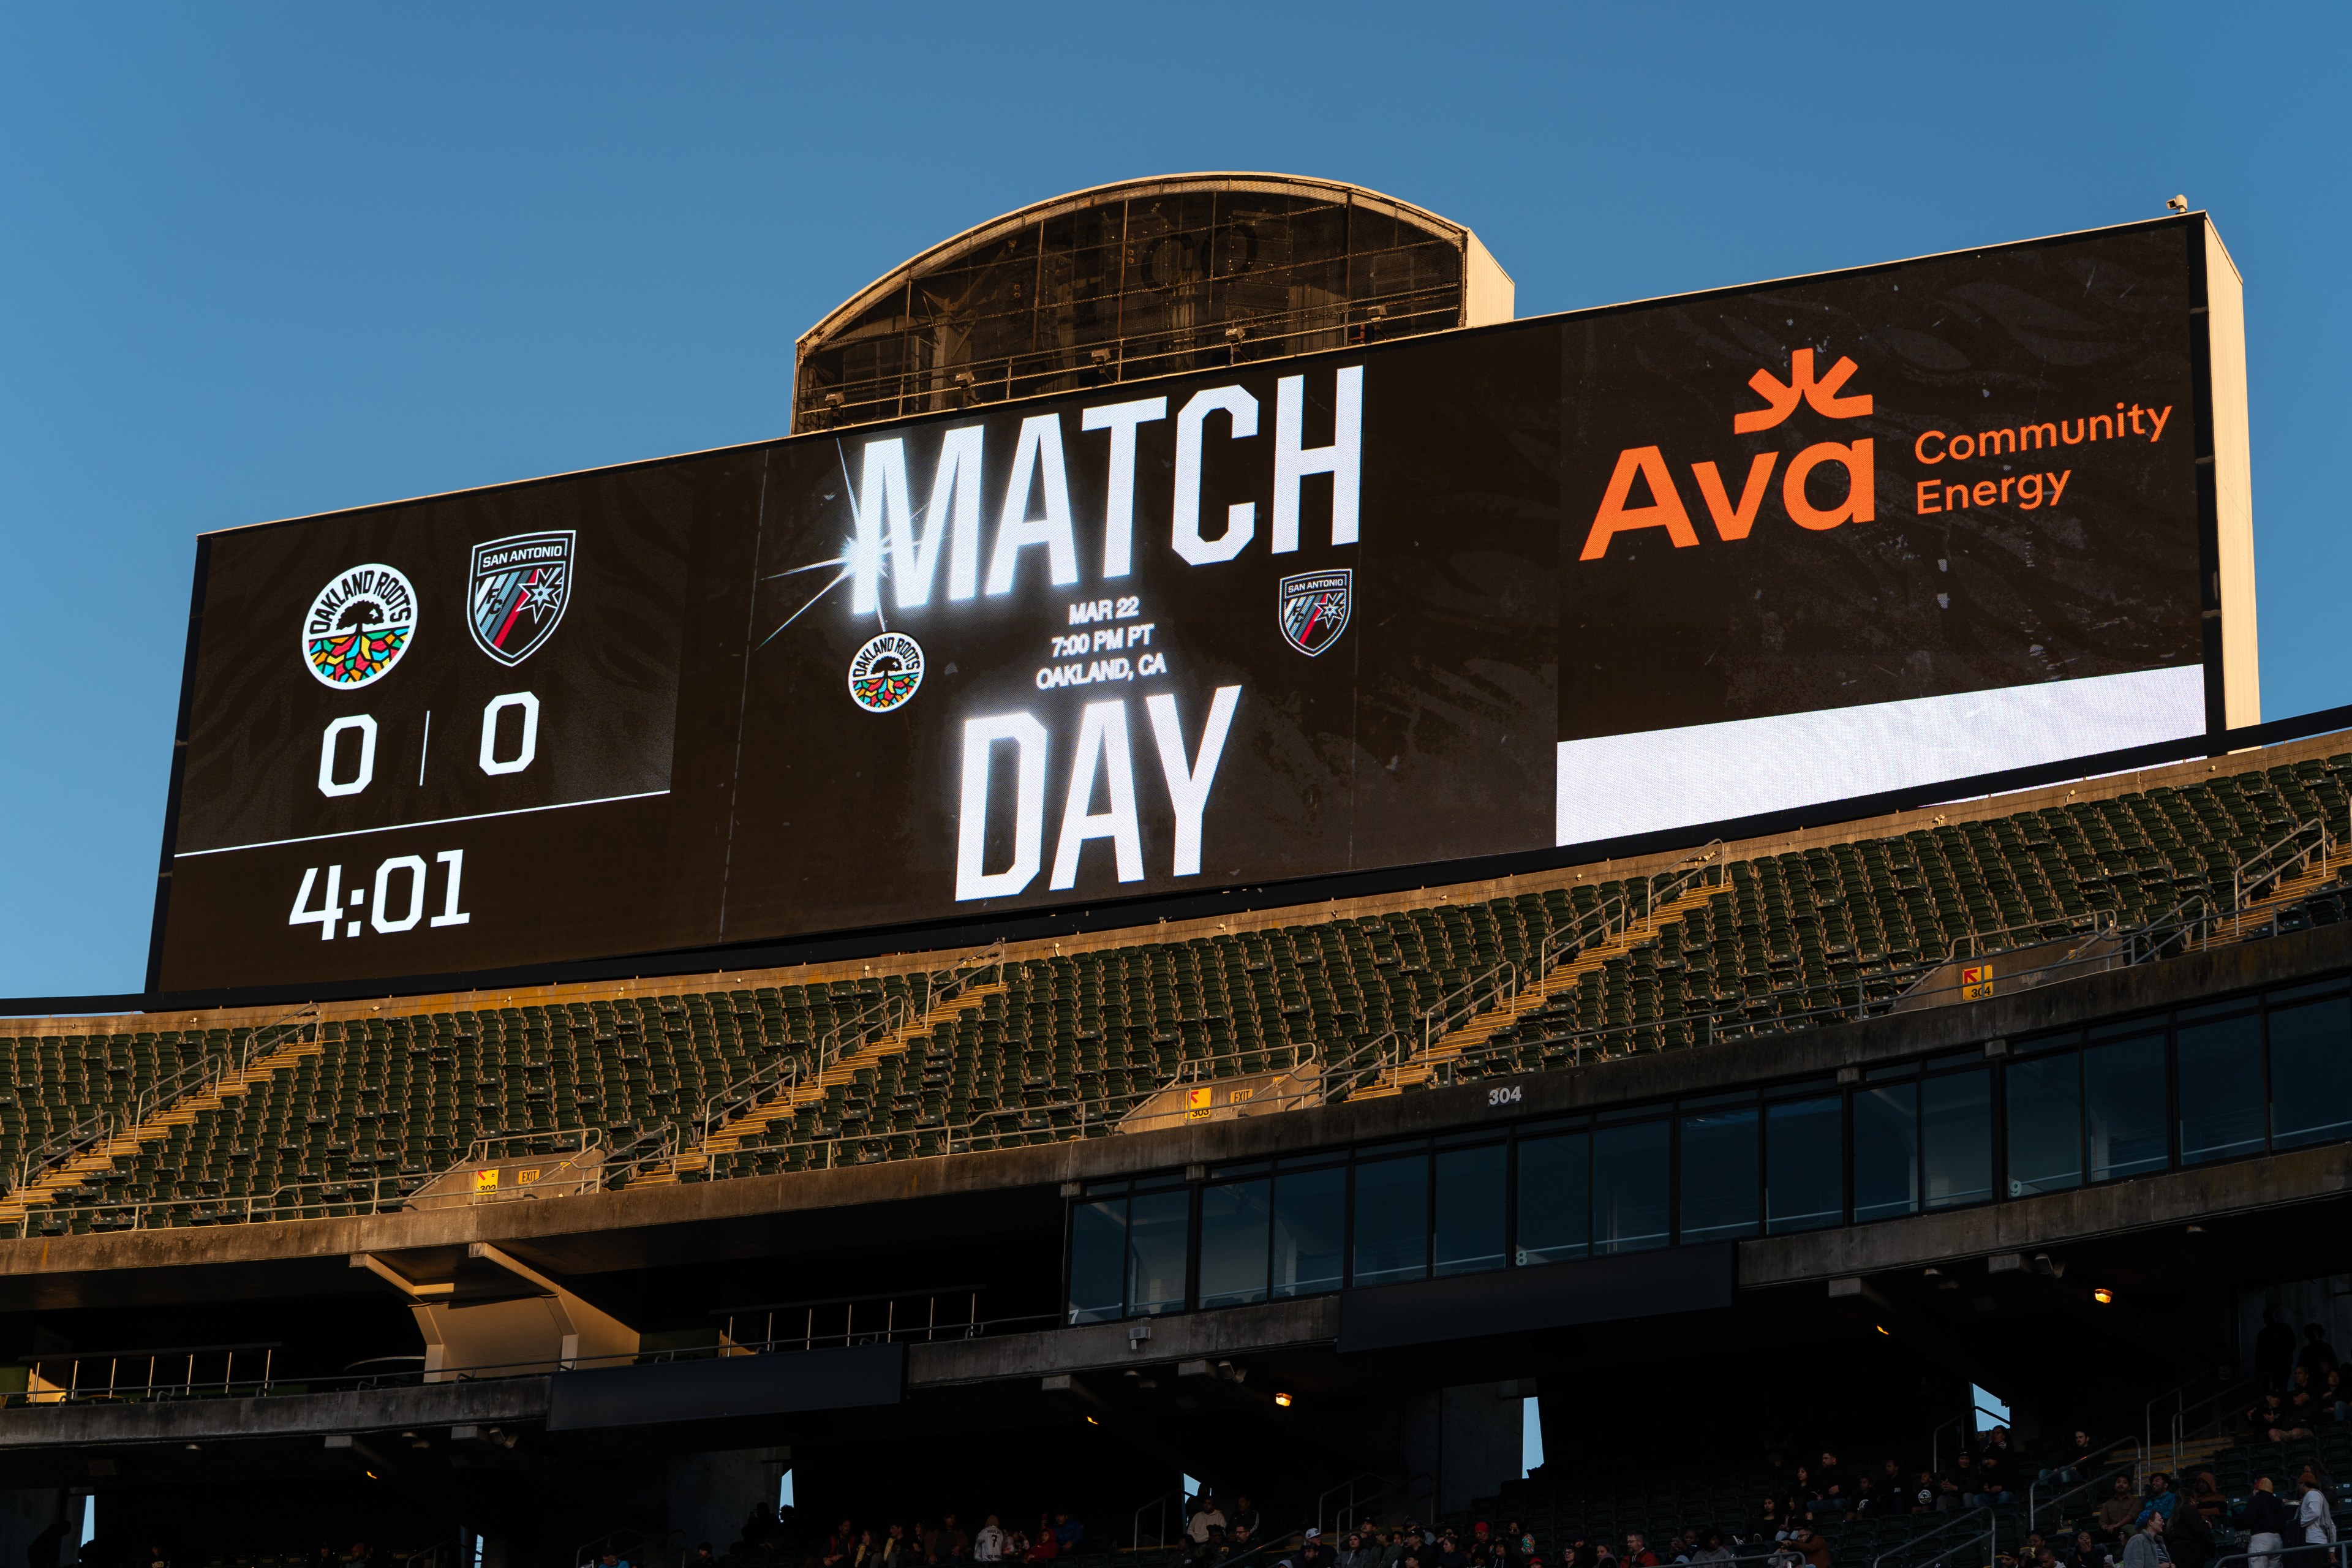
2254	872
885	1017
2033	1505
1158	1506
1990	1538
190	1078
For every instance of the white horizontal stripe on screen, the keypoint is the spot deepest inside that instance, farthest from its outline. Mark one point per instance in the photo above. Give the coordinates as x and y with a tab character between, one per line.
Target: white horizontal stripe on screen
397	826
1620	784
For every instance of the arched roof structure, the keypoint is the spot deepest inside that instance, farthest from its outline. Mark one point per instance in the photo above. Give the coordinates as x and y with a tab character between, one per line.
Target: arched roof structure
1143	278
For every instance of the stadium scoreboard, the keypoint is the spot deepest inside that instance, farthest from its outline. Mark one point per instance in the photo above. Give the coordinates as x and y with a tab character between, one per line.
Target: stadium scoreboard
1544	584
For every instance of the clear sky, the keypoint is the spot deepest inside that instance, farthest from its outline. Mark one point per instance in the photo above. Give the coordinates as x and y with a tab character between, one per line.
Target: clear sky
263	260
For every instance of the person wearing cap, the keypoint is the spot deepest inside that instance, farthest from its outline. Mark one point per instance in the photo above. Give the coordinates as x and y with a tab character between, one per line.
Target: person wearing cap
2265	1518
1312	1552
2146	1548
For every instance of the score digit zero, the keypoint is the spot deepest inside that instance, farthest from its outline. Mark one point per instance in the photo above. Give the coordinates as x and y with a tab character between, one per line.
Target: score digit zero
490	763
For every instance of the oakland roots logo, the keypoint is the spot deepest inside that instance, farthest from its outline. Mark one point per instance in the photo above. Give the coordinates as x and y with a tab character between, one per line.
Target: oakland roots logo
517	592
886	672
357	627
1313	608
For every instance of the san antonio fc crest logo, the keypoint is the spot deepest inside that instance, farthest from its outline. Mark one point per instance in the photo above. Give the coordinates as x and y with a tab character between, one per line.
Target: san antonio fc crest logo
886	672
517	592
1313	608
357	627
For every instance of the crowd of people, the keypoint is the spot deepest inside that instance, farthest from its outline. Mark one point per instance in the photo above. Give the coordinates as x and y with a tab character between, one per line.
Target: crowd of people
946	1543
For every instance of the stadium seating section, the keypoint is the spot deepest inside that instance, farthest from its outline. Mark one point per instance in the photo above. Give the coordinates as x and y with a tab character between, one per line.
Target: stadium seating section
373	1107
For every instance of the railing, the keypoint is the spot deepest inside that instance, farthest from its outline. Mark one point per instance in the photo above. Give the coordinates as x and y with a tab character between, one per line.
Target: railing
1965	1421
620	1543
2206	1417
1158	1509
139	1376
924	1327
2035	1506
1978	1526
1358	1495
885	1017
80	1383
192	1077
2276	863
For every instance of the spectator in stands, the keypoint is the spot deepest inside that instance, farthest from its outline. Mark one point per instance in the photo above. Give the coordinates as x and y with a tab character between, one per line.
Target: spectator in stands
2188	1534
1924	1493
1711	1549
2315	1519
1993	1478
2269	1421
2273	1351
2121	1508
2266	1520
1637	1554
2071	1470
2317	1356
1353	1552
2089	1552
2303	1397
839	1547
1966	1480
2161	1498
2335	1394
1312	1552
1072	1534
1388	1549
1206	1515
2205	1493
1810	1545
1828	1481
2145	1547
953	1546
988	1546
702	1557
1868	1502
1245	1516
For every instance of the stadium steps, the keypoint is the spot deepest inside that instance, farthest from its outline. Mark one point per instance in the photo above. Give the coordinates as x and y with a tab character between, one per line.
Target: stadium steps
297	1037
1417	1071
2321	870
755	1121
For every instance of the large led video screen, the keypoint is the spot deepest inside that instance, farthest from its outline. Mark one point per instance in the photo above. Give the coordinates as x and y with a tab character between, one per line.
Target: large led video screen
1543	586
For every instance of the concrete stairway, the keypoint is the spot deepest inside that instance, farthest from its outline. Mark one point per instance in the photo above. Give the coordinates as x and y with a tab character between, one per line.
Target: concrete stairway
1417	1069
757	1119
2321	869
296	1038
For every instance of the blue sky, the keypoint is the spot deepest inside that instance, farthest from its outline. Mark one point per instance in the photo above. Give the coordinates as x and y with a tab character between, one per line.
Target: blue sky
262	260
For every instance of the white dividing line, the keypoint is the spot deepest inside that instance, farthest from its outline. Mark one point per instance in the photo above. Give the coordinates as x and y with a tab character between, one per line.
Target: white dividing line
436	822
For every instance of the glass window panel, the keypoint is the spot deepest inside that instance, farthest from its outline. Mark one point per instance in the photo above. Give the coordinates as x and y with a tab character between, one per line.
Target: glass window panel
2123	1107
1158	1228
1555	1198
1310	1211
2311	1072
1470	1209
1391	1220
1956	1138
1804	1165
1235	1221
2221	1089
1719	1174
1628	1187
1098	1260
1887	1151
2045	1124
